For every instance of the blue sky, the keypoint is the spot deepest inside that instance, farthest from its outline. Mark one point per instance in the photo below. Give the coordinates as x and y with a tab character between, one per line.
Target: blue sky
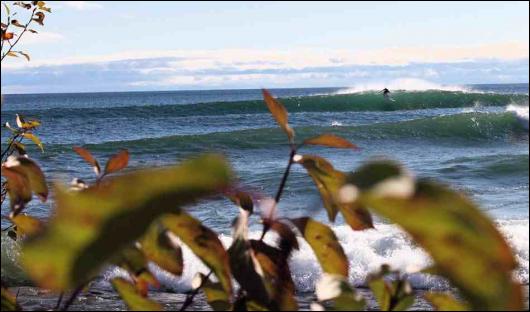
121	46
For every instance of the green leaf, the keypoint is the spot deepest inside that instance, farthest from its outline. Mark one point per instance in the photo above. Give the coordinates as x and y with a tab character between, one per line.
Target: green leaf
445	302
204	243
465	245
325	245
158	248
27	225
91	226
329	183
87	156
279	113
330	140
117	162
35	139
9	301
132	298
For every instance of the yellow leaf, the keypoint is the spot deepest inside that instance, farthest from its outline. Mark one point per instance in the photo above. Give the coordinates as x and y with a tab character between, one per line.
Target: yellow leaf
131	297
35	139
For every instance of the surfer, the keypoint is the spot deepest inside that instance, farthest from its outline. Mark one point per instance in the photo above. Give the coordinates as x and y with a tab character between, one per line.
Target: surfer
386	93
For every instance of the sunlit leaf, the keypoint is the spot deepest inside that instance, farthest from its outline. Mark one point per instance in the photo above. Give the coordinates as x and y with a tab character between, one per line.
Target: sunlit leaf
338	295
445	302
34	138
325	245
87	156
215	294
279	113
464	244
330	140
204	243
117	162
91	226
329	183
158	248
9	301
27	225
131	297
21	122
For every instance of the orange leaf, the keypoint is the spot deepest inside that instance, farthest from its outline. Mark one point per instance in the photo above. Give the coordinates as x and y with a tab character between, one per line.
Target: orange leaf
279	113
117	162
88	158
330	140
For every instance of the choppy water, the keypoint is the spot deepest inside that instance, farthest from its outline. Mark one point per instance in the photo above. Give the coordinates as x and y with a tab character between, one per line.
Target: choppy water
473	137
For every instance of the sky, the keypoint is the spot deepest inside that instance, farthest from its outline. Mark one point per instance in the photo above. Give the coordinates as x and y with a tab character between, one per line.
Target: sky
91	46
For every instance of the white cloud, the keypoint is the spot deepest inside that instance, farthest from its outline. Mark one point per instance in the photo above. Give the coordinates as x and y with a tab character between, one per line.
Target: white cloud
82	5
43	37
244	59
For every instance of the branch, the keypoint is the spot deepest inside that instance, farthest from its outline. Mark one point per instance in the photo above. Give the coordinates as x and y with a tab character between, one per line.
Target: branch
190	297
20	35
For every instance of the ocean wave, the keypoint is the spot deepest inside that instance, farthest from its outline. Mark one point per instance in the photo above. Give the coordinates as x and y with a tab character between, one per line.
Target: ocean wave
488	166
366	252
404	84
348	102
463	127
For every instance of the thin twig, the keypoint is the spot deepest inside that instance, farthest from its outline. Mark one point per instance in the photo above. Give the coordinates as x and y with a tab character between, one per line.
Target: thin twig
279	193
20	35
59	301
190	297
74	295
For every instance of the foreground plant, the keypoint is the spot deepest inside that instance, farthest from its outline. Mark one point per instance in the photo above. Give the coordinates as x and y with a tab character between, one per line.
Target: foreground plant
137	217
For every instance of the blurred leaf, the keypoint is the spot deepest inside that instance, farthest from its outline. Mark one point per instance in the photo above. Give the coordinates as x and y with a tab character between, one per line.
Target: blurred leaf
158	248
21	148
9	301
396	295
215	294
338	295
276	276
245	267
87	156
117	162
204	243
39	18
445	302
26	56
132	298
27	225
279	113
133	261
8	36
330	140
24	5
464	244
17	23
325	245
24	177
18	189
32	31
8	10
35	139
242	199
91	226
285	233
329	183
21	122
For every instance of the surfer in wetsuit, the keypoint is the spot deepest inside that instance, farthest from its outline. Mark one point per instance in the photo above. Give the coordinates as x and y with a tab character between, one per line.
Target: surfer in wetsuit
386	93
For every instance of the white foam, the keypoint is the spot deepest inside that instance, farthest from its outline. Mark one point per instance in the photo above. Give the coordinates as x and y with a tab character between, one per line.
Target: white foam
366	251
407	84
520	112
335	123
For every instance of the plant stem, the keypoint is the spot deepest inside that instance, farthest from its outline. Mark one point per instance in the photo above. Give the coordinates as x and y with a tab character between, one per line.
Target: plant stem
190	297
59	301
280	189
74	295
